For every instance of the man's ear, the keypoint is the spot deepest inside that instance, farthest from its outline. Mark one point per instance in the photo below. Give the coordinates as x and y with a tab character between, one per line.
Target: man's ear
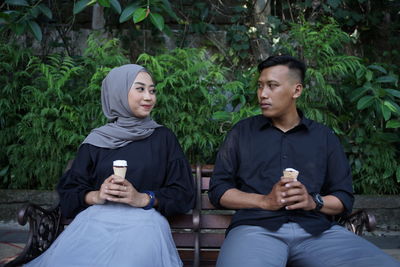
298	90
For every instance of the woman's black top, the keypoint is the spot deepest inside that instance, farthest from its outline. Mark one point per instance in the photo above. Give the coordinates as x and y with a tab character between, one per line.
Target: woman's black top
156	163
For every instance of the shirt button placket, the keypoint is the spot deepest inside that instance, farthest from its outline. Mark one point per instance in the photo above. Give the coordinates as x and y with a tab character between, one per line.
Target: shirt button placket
284	151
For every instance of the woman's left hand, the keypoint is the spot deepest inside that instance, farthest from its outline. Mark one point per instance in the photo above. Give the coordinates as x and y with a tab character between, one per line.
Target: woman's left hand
123	191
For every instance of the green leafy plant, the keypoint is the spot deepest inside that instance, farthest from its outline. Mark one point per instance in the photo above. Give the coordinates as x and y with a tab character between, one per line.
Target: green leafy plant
361	103
47	113
242	100
137	11
321	45
378	96
192	87
57	106
371	124
21	16
14	77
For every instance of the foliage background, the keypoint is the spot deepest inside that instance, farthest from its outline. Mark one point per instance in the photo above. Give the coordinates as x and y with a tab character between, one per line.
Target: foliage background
50	86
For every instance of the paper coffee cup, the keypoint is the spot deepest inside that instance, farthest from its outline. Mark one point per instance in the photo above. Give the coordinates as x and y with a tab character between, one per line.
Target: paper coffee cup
120	167
290	173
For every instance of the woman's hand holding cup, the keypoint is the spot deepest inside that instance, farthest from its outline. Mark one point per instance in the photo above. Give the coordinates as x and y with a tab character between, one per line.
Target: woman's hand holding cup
122	191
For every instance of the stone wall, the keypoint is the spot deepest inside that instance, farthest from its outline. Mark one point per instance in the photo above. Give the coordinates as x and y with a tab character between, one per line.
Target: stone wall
385	208
12	200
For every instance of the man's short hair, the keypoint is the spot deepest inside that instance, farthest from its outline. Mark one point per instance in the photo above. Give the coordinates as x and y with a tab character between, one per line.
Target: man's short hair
291	62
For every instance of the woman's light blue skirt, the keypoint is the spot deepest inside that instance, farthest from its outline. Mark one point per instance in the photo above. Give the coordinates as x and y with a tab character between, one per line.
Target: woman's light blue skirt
113	235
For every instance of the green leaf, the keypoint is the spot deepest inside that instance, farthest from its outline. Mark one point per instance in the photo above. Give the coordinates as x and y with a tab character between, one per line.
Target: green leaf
394	124
4	171
365	102
116	6
80	5
386	79
356	94
34	12
378	68
334	3
5	15
105	3
20	28
386	112
128	11
157	20
390	106
222	116
45	11
368	75
17	2
360	73
167	7
393	92
139	15
35	29
398	173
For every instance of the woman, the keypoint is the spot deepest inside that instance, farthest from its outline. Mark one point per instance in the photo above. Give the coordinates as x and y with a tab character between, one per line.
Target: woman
118	221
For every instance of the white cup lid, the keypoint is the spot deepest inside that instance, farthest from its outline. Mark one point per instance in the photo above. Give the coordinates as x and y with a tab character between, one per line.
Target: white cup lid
291	170
120	163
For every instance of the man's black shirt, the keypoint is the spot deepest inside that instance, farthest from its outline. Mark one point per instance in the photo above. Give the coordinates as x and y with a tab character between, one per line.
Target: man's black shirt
255	153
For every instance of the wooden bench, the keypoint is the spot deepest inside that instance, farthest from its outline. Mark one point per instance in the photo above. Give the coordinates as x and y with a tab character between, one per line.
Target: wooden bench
198	235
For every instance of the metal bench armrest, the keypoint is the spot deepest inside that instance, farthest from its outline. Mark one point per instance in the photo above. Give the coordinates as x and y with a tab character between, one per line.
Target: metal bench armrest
358	221
44	227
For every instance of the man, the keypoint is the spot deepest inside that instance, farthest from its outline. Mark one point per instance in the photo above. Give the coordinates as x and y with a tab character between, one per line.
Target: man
279	220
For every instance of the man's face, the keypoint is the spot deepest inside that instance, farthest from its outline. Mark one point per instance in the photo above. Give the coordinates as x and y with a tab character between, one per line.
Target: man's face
278	87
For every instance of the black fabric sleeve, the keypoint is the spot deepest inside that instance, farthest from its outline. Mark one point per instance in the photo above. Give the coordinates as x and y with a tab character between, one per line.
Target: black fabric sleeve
75	183
226	165
177	195
338	182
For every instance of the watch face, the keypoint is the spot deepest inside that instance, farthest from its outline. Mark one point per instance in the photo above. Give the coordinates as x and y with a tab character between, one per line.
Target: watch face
319	199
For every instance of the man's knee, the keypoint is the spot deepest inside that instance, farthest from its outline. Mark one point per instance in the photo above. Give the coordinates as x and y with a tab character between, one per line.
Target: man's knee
251	246
339	247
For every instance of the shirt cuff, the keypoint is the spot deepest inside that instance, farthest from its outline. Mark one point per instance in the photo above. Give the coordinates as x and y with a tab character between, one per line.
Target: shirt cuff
216	194
346	199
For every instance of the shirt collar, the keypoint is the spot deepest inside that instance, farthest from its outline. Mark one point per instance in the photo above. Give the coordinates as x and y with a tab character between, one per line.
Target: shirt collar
265	122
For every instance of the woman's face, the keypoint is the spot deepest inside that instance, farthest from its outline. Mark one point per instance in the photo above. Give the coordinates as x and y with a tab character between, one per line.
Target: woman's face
142	95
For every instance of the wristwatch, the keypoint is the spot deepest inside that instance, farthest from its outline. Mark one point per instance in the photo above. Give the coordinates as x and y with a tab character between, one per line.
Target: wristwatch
152	200
318	200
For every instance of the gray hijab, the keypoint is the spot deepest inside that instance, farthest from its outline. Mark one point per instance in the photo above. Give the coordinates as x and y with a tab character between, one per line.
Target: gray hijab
123	126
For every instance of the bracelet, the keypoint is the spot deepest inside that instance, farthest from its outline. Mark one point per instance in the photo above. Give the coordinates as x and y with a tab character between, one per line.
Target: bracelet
152	200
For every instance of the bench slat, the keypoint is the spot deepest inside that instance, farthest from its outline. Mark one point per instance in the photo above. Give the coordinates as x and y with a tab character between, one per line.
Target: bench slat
211	240
215	221
181	221
205	183
185	240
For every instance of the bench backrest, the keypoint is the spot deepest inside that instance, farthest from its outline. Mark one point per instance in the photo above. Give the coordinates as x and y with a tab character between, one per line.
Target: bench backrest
213	221
199	235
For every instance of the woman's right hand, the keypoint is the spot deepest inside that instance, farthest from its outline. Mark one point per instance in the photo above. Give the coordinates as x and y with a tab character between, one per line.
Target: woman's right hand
99	196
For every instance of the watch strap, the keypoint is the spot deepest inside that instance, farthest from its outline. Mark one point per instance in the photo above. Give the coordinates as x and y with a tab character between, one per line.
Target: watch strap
152	200
318	201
